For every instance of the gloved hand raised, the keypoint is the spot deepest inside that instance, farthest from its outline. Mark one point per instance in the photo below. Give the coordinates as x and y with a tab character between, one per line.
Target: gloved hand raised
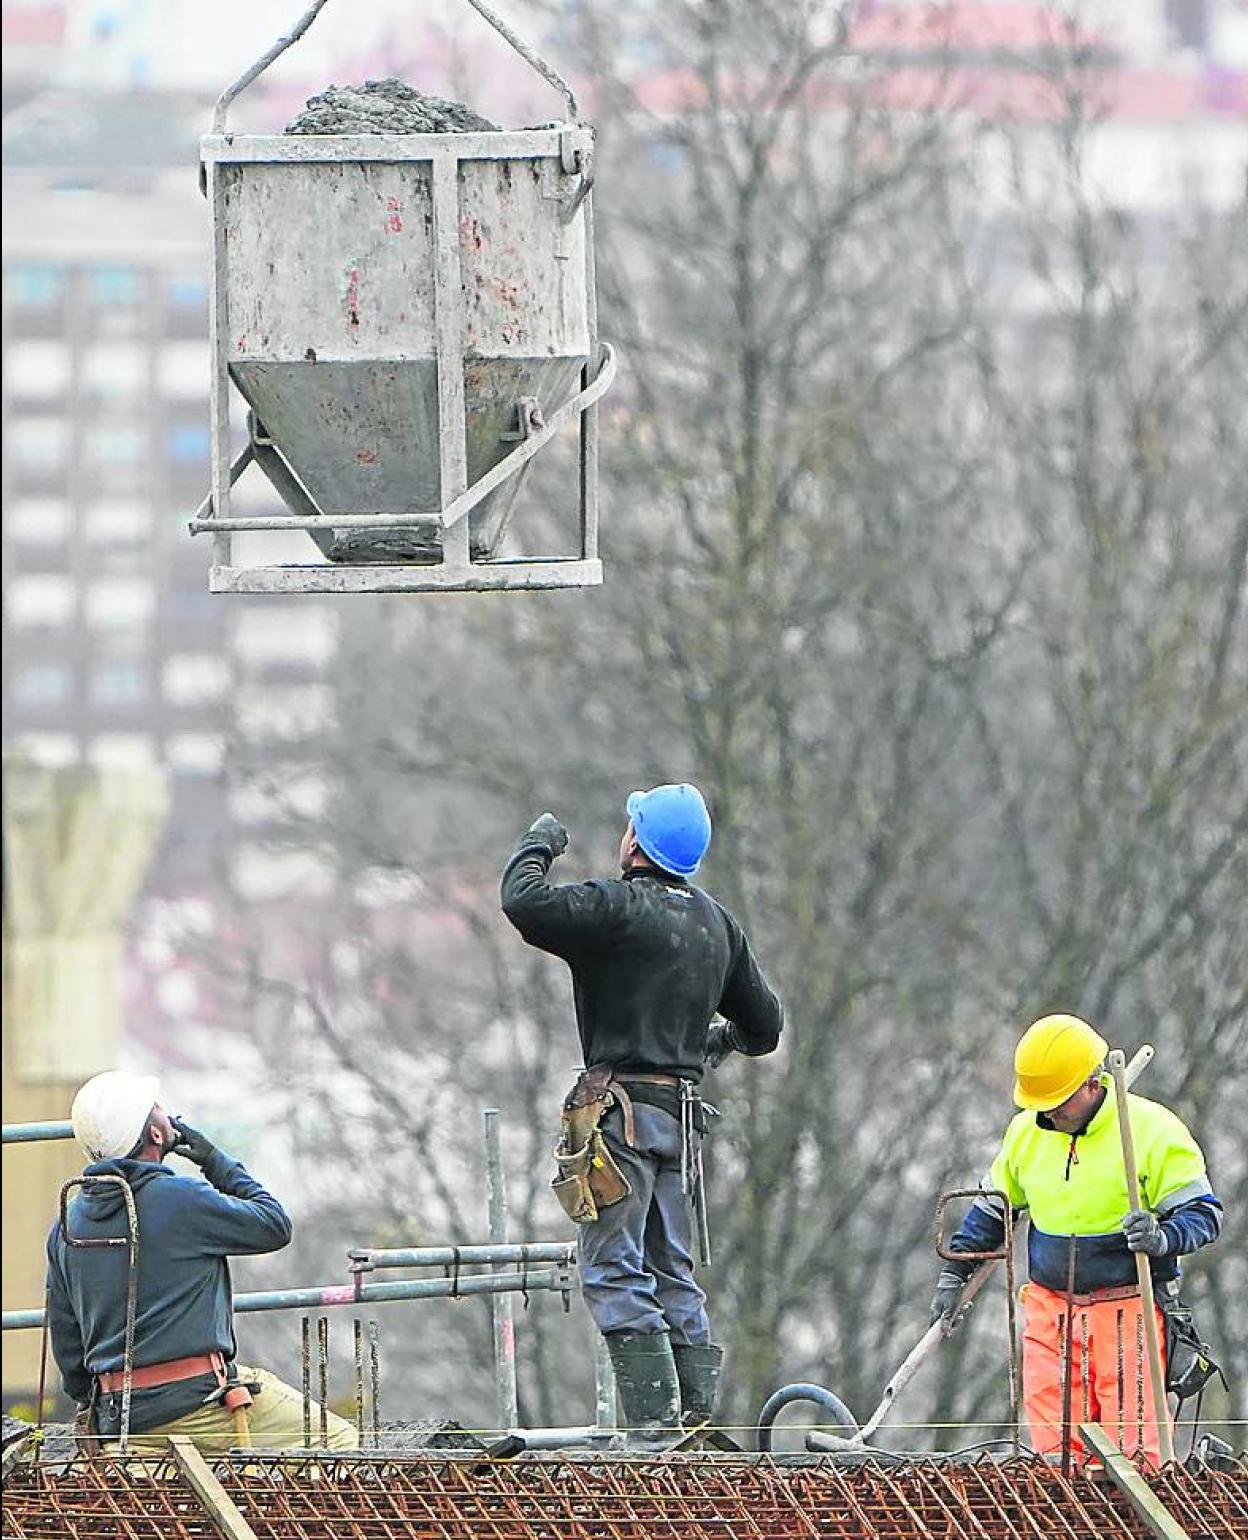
548	831
1144	1233
946	1303
192	1145
721	1040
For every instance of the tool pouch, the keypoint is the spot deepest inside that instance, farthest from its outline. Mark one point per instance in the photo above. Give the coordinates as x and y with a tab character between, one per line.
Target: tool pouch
1189	1363
589	1178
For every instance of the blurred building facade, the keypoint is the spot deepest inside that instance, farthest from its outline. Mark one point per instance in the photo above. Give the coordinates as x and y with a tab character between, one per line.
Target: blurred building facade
115	654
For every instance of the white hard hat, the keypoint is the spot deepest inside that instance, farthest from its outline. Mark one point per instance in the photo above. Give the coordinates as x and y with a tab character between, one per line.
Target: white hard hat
110	1112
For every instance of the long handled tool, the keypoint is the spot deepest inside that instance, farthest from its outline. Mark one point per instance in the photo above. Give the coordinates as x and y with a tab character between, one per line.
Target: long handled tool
1143	1269
935	1334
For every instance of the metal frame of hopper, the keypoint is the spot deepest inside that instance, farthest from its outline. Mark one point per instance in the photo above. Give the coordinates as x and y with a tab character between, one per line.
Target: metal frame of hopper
456	570
572	141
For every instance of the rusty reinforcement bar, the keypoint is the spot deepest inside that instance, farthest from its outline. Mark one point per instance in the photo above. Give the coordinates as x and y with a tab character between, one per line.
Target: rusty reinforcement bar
696	1497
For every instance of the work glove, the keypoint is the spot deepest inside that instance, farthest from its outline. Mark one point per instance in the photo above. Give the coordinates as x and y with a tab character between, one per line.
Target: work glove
192	1145
548	831
721	1040
946	1305
1144	1233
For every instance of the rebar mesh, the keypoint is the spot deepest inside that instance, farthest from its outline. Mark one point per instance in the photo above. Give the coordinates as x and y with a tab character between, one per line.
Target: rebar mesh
465	1497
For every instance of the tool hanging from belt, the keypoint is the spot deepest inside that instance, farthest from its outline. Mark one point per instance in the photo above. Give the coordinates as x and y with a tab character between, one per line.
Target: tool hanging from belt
680	1097
235	1396
693	1114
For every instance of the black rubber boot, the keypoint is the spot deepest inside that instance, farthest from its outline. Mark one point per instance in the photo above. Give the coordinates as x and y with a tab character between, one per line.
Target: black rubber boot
648	1389
698	1369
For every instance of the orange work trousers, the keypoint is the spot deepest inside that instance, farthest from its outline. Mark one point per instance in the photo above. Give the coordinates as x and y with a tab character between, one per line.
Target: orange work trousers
1110	1382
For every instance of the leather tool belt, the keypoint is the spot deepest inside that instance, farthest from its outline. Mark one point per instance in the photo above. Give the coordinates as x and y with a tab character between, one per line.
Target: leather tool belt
588	1178
1104	1296
232	1394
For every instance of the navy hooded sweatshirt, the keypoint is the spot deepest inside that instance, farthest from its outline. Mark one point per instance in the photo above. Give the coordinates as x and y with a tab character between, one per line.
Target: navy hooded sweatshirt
187	1229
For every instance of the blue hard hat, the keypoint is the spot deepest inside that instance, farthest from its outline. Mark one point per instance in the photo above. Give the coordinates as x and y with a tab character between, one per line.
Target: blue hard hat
672	826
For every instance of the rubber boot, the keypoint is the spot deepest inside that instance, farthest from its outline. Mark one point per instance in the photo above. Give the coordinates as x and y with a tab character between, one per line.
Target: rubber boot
649	1391
698	1369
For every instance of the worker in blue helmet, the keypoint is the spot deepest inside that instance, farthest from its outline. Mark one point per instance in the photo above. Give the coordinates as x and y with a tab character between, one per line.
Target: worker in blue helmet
654	960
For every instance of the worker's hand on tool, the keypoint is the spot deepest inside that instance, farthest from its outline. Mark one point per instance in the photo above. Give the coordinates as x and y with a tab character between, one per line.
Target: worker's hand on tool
548	831
721	1040
192	1145
1144	1233
946	1304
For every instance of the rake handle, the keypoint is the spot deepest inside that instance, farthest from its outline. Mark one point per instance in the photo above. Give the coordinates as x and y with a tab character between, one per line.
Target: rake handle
1165	1438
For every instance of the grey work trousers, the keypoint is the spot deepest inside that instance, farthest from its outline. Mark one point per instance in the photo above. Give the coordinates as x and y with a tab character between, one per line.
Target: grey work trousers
636	1259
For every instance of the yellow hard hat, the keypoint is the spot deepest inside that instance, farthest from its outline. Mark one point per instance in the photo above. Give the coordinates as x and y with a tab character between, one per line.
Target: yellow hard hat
1054	1057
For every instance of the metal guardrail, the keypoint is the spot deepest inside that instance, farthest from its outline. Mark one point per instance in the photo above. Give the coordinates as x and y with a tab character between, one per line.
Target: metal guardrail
26	1133
551	1279
365	1259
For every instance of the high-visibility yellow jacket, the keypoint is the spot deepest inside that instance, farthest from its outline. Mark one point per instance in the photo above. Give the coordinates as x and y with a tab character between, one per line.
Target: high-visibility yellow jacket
1077	1185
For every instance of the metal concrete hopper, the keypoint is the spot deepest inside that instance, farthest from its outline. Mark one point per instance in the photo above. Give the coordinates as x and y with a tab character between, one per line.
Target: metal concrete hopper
409	318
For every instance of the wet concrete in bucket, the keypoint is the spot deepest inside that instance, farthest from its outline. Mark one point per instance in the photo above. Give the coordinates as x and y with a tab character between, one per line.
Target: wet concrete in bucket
385	107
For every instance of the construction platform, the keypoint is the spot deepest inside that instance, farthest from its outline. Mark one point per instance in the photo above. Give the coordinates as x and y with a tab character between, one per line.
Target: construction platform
380	1496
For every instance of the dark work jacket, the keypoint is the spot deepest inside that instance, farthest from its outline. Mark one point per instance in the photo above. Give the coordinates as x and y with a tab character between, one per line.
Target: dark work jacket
652	960
187	1229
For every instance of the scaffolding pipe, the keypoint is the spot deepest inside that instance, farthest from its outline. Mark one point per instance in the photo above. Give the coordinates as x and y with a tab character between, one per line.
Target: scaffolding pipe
24	1133
366	1259
561	1438
604	1386
550	1278
507	1398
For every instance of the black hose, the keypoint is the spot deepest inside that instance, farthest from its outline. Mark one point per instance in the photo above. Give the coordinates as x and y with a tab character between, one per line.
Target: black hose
866	1455
801	1392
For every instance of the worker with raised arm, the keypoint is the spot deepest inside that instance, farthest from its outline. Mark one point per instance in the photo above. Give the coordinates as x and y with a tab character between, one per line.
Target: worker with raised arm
185	1379
1062	1161
653	960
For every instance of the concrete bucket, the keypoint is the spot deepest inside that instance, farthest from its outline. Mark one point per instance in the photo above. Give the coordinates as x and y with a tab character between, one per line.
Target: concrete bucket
409	319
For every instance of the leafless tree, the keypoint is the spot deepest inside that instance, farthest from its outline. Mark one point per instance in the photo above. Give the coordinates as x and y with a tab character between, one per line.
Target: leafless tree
926	558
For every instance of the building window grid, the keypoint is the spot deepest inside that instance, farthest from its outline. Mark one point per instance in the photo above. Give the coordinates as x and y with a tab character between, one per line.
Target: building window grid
87	297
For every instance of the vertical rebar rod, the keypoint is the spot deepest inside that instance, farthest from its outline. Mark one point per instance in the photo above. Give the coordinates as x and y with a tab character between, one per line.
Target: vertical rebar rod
604	1384
374	1388
1122	1377
1067	1350
43	1368
358	1332
1011	1324
506	1394
132	1315
322	1356
305	1343
1085	1393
